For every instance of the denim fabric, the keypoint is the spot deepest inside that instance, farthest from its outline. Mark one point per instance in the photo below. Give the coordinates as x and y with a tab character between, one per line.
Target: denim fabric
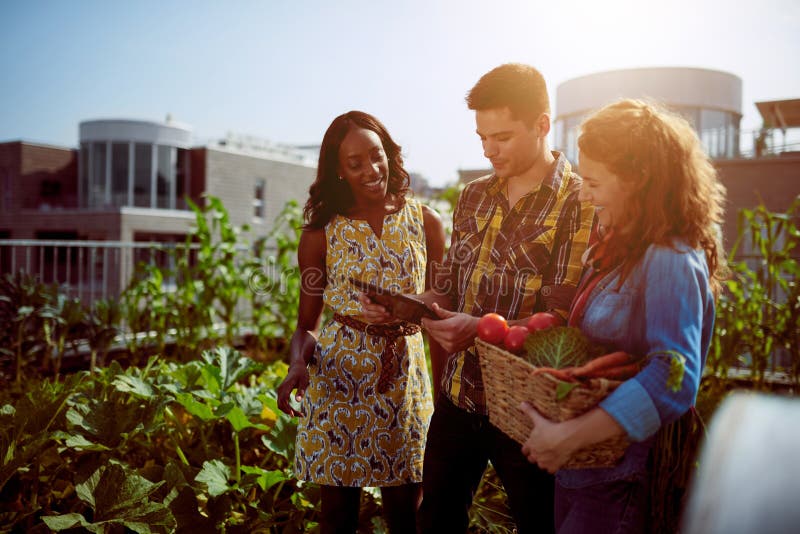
609	508
459	445
665	305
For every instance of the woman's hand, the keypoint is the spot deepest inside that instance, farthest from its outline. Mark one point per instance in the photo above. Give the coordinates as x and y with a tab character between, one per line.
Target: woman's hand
296	378
372	312
453	331
547	445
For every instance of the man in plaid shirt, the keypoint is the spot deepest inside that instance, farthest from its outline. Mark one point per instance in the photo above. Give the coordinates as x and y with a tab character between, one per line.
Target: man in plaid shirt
518	237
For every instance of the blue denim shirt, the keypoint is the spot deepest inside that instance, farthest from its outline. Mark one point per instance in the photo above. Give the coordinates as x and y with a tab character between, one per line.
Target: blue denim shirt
665	304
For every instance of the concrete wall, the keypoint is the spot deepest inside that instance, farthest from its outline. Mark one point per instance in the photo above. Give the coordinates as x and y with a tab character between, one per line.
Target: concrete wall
232	177
676	86
775	181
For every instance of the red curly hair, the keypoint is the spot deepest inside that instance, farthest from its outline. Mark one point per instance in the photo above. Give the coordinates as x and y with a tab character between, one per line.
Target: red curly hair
674	188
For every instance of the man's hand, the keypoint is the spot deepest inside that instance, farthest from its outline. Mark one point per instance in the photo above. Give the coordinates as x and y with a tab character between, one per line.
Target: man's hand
547	445
296	378
453	331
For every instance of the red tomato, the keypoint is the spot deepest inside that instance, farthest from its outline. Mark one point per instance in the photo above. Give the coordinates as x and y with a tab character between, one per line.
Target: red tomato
515	339
542	320
492	328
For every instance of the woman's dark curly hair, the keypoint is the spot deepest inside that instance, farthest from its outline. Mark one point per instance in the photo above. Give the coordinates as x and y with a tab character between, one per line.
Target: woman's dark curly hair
329	195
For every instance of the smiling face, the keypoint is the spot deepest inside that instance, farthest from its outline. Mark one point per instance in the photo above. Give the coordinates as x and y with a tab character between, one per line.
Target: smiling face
364	166
510	145
603	189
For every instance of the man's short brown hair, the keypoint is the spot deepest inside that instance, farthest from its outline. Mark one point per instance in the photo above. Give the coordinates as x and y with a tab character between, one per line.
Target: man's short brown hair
519	87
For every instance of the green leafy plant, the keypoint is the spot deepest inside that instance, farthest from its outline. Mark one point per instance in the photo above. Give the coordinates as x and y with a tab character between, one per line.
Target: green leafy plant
117	496
757	328
198	445
274	282
63	318
101	327
21	298
558	347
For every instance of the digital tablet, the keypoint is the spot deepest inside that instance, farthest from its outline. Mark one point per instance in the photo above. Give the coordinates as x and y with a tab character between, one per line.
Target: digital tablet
404	307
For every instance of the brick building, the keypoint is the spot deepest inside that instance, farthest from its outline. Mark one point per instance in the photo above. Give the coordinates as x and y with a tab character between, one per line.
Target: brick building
128	181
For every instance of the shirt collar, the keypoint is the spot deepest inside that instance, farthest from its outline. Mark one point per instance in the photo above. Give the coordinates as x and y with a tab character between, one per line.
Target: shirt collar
555	180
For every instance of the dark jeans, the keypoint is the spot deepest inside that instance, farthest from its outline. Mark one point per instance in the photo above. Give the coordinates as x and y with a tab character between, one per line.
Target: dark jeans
618	507
458	447
341	506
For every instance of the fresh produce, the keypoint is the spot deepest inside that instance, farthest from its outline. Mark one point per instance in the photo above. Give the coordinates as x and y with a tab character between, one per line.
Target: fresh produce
542	320
613	365
566	354
561	351
515	338
492	328
558	347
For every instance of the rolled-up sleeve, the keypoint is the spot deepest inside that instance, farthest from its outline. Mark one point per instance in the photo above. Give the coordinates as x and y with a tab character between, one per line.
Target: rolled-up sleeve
678	310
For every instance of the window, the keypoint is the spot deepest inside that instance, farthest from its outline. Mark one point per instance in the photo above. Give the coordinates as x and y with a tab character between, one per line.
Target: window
97	176
165	177
83	179
181	177
258	198
5	183
50	189
119	174
141	176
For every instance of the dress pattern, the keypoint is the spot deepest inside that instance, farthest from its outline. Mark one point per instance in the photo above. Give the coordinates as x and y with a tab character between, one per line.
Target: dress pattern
352	435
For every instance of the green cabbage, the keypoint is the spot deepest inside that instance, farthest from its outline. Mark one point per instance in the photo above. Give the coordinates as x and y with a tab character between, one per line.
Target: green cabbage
558	347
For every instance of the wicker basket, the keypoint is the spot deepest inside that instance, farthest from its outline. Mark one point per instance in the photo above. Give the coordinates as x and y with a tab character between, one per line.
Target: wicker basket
508	382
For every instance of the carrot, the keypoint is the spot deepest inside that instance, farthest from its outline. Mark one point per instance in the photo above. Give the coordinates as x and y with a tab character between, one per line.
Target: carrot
560	374
613	359
620	372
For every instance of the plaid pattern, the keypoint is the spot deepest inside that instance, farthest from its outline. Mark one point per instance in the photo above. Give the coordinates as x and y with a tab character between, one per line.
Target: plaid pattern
512	262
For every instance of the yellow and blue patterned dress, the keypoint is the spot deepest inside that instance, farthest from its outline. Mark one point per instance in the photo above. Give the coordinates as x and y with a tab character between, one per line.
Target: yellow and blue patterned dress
352	435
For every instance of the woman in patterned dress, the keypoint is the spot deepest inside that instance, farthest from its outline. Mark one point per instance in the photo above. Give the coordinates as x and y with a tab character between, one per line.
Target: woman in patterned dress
364	388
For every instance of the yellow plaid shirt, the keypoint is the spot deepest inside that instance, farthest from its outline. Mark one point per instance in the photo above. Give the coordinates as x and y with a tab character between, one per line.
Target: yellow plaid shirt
511	261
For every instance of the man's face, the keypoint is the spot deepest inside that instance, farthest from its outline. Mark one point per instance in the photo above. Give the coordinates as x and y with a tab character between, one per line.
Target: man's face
508	143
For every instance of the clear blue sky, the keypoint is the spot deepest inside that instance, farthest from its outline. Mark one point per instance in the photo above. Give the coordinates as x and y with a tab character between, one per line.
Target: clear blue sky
282	69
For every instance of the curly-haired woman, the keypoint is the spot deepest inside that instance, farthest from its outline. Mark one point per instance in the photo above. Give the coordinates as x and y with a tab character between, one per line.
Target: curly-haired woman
648	290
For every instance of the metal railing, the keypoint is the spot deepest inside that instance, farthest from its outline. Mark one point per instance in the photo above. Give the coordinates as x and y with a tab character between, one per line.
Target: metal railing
87	270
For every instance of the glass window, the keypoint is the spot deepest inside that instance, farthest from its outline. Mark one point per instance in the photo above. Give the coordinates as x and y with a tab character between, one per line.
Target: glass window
690	114
141	175
84	176
97	179
119	174
558	135
716	133
165	177
181	177
258	198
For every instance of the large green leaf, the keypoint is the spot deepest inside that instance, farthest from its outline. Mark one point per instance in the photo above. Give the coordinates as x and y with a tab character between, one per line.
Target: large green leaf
110	422
240	421
215	476
67	521
225	366
123	494
195	407
118	496
133	385
80	443
265	478
281	438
